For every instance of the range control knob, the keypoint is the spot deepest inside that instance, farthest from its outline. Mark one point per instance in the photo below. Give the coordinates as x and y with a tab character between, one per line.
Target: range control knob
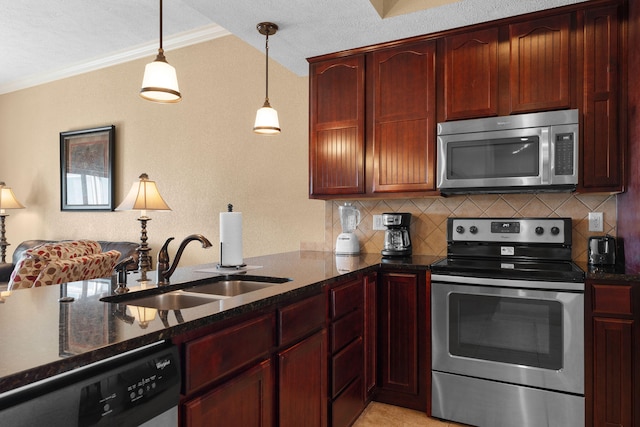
555	231
473	229
460	229
539	231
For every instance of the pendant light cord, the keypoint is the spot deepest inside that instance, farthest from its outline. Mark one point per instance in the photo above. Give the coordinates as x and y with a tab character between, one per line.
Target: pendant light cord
266	97
161	49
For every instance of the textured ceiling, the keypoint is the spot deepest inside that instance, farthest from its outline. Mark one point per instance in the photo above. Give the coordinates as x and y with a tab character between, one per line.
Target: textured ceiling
41	40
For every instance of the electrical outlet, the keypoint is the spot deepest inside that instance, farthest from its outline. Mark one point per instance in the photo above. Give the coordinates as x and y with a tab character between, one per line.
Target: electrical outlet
595	221
377	223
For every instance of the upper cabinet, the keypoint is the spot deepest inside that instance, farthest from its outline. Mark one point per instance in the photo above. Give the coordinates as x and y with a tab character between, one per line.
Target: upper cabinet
540	64
391	148
404	113
336	146
603	133
471	74
374	110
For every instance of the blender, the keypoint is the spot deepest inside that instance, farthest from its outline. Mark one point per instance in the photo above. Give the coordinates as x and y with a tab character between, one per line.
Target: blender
347	242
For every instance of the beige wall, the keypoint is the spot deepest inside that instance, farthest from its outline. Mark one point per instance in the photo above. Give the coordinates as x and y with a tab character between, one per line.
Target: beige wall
201	152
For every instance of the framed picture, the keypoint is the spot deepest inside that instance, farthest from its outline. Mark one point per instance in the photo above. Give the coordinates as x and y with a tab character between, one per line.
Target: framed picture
86	169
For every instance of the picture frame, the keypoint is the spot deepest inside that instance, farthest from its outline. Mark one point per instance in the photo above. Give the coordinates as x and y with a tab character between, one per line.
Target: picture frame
86	169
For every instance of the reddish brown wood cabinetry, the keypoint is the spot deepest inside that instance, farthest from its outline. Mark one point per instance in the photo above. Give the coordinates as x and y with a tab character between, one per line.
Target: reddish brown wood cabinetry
612	385
402	366
404	113
337	121
346	352
392	150
471	75
541	64
603	132
270	369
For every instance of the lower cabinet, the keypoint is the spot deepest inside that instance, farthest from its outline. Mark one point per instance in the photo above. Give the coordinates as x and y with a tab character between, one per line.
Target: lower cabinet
246	400
346	352
612	385
404	341
269	369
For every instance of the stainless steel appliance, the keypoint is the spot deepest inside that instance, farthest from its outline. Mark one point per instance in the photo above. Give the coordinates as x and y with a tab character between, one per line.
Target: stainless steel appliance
520	153
139	388
602	250
508	324
397	241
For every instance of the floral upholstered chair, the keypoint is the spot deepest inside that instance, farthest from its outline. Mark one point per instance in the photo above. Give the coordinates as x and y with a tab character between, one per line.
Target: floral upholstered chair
60	262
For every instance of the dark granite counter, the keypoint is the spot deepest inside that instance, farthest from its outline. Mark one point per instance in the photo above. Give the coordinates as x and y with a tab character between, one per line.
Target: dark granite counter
41	336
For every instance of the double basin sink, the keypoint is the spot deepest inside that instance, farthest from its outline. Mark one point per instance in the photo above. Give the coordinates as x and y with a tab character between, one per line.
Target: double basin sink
193	294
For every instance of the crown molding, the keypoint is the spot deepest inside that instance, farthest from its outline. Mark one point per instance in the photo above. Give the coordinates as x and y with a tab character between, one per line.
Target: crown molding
177	41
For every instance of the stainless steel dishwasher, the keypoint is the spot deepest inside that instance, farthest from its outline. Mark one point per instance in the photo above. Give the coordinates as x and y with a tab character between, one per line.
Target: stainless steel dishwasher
137	388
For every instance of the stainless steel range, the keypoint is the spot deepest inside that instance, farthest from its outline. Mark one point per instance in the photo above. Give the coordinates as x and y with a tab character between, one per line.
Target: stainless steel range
508	324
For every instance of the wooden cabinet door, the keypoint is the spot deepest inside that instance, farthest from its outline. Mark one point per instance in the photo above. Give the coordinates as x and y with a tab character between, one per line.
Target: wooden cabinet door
337	120
541	64
370	333
244	401
404	127
302	383
471	75
602	142
612	372
402	339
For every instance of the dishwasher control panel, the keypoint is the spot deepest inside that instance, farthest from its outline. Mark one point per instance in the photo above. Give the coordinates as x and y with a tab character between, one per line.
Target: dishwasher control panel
119	394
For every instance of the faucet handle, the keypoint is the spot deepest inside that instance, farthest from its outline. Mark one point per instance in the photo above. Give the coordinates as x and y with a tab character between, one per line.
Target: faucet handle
121	271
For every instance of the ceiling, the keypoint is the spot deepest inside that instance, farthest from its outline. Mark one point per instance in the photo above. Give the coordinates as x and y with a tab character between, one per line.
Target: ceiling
44	40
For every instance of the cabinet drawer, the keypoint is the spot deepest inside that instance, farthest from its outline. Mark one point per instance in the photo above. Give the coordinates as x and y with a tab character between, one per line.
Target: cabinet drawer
300	318
213	356
346	366
346	298
612	299
346	330
346	408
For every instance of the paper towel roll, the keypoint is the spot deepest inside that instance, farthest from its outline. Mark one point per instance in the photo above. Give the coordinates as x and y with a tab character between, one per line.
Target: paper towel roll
231	238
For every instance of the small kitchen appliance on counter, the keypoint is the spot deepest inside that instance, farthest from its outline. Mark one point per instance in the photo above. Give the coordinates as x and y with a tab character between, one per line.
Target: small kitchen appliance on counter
397	242
602	250
347	242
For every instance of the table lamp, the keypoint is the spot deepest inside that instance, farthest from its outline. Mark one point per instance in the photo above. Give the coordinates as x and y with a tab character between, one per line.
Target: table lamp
143	196
7	201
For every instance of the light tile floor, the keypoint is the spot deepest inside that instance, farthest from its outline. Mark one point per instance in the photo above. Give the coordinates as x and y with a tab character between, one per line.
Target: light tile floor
379	414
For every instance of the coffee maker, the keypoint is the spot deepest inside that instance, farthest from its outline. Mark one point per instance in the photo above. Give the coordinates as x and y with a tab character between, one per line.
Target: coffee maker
397	242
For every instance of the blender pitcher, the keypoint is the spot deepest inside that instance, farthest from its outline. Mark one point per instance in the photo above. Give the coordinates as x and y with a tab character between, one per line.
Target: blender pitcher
347	242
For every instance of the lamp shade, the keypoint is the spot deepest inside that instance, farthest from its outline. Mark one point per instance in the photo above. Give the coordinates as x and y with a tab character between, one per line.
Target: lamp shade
8	199
160	83
144	196
267	121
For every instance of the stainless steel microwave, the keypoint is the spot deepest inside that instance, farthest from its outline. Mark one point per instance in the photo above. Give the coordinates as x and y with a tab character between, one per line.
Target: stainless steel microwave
522	153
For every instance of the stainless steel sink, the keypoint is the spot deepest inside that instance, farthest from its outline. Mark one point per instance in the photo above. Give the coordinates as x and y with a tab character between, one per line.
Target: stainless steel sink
229	288
193	294
175	300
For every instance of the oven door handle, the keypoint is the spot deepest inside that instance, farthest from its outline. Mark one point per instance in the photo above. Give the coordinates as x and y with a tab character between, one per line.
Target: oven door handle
509	283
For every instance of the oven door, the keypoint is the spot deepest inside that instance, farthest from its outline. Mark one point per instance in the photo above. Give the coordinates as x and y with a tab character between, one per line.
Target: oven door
520	336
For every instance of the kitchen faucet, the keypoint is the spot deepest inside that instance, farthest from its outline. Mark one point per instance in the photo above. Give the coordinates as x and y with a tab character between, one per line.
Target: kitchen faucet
164	270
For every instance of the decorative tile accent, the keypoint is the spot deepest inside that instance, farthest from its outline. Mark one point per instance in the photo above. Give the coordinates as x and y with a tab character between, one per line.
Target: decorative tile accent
429	217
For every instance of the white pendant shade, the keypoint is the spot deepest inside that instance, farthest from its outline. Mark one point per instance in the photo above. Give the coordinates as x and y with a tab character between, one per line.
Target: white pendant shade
267	121
160	83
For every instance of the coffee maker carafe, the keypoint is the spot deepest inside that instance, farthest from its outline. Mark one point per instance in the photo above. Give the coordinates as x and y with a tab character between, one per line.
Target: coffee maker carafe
397	242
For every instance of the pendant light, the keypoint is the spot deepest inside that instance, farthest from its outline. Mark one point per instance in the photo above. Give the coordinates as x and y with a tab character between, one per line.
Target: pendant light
160	83
267	117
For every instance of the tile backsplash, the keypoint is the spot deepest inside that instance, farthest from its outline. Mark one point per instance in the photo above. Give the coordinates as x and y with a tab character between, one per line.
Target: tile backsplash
429	217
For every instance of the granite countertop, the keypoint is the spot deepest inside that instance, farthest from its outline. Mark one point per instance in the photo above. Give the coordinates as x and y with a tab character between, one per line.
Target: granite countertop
41	336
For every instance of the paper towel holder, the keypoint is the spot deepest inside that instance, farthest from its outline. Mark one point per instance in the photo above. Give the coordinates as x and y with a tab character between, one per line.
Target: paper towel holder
220	264
235	267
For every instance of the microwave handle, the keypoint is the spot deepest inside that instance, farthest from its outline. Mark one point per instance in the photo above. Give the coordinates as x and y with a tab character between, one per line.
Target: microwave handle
546	160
